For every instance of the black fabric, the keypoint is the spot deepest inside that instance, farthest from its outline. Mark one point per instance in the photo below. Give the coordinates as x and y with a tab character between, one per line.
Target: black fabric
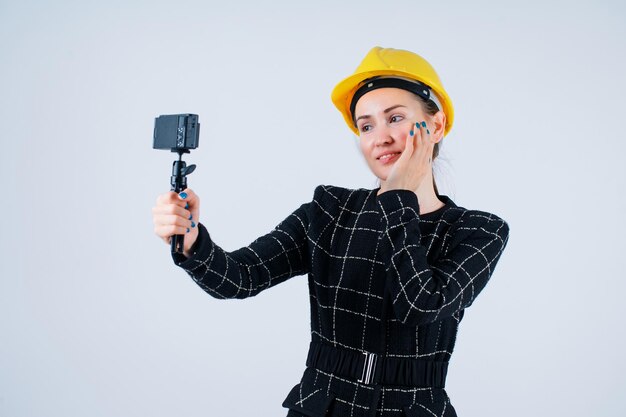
388	371
382	278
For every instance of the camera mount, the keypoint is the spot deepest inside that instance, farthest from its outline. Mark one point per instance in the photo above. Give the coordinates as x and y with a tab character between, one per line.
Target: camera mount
178	181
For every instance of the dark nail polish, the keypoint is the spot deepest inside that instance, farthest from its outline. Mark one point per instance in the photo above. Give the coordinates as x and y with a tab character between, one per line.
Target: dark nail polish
187	205
424	124
417	124
428	131
188	230
411	132
193	224
183	195
190	216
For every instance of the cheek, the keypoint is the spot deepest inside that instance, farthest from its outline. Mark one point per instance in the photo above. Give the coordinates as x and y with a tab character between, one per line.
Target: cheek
366	151
363	146
400	133
405	127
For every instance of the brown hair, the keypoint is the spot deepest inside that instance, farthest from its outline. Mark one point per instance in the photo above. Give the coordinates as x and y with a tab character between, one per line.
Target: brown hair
429	107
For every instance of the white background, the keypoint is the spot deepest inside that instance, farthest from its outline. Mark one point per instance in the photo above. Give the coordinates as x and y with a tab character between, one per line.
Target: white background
96	320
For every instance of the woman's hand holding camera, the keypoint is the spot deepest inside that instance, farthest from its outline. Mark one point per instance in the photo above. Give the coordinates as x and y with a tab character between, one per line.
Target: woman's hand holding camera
414	163
177	214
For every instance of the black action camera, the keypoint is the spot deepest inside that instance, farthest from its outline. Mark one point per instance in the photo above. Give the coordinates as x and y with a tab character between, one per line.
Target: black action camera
178	132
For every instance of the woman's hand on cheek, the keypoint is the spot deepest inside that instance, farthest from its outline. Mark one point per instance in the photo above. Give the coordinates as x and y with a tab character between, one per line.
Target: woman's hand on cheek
414	163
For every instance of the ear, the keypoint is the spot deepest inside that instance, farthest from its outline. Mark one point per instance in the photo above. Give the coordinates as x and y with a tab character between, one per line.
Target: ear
439	120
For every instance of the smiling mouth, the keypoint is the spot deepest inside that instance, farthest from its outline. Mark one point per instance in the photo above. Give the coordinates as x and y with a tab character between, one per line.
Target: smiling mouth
388	156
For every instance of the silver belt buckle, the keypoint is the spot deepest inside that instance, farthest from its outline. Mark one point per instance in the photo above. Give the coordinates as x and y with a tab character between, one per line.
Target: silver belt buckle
369	367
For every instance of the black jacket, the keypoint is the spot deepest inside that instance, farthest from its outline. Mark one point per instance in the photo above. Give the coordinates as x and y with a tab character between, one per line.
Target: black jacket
360	251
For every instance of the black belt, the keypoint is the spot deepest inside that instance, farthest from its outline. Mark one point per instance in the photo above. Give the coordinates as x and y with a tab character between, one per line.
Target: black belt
372	368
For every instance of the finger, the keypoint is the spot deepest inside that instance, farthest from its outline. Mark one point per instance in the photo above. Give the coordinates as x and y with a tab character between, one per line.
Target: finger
420	131
408	144
171	209
167	231
187	199
192	201
424	144
424	131
170	198
430	144
171	219
189	196
419	140
426	128
428	139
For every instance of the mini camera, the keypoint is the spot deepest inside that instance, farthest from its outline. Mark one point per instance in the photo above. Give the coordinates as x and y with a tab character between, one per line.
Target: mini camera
178	132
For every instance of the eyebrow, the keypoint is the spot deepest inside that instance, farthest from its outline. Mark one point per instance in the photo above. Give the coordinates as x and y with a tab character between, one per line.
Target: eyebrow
367	116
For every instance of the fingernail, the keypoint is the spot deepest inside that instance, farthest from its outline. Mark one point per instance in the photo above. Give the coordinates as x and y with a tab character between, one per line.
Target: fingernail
193	224
188	230
417	124
190	216
424	124
187	205
183	195
411	132
428	131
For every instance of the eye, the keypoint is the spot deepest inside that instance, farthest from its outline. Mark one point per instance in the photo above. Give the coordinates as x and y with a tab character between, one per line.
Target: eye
365	128
395	118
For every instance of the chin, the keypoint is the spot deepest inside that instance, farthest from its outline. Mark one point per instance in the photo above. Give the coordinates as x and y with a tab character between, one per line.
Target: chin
378	171
382	174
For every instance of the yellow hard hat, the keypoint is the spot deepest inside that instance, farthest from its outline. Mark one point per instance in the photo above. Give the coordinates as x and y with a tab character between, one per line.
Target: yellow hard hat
389	62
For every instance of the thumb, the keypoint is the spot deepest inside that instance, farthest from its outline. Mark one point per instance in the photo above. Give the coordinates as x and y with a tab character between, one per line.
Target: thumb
408	145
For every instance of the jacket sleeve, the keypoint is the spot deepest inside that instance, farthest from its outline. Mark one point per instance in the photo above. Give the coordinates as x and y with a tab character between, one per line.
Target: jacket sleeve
268	260
422	292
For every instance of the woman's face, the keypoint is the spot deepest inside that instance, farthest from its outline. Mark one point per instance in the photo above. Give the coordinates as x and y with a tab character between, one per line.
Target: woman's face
384	118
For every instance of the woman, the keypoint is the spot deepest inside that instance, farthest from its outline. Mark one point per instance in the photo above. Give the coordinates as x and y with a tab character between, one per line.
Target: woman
390	270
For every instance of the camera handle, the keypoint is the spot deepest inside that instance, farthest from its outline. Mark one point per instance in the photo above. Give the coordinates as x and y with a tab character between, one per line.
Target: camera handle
178	181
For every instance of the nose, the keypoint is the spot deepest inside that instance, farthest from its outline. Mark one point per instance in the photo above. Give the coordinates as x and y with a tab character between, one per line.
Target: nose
384	135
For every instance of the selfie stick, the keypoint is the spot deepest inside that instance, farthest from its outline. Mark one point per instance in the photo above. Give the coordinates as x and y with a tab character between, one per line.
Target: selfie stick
180	170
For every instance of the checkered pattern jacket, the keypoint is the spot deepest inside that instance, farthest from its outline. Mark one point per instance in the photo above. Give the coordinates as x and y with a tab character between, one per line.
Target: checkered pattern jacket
360	250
